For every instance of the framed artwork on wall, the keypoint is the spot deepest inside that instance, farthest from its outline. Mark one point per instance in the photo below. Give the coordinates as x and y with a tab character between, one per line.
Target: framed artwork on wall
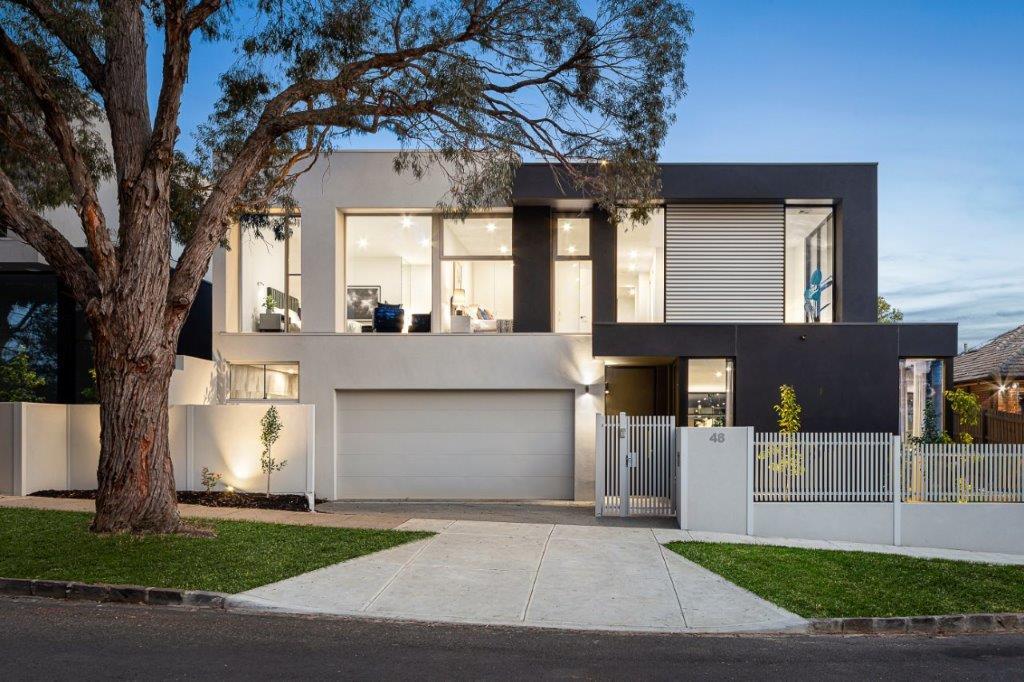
360	302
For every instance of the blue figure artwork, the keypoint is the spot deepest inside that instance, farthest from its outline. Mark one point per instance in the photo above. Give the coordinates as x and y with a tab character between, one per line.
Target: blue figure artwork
812	295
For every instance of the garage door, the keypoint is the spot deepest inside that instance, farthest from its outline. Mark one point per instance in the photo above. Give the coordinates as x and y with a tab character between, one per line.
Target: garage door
455	444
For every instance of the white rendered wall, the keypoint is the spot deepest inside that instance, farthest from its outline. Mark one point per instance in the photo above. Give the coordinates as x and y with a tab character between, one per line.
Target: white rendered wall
713	479
332	362
196	381
973	526
869	522
57	446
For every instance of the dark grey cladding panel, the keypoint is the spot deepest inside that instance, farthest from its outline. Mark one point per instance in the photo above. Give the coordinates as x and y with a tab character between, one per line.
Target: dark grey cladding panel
531	277
846	376
664	340
927	340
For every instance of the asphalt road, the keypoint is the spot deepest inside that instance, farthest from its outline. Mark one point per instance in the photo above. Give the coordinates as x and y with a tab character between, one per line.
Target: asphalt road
41	639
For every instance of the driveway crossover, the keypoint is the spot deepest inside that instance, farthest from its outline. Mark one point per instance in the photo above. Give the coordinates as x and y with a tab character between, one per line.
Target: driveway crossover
529	574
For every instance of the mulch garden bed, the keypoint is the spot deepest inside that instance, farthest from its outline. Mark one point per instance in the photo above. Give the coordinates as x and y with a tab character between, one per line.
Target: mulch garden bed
208	499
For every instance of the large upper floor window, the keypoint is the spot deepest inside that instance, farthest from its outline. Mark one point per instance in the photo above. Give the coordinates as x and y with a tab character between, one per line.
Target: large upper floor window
270	275
640	269
573	275
388	262
476	274
810	264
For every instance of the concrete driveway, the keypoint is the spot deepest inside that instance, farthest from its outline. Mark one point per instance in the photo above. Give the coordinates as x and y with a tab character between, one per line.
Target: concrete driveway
550	575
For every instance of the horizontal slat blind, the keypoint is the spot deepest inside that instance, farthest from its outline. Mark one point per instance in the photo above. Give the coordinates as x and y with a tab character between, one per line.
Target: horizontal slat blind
724	262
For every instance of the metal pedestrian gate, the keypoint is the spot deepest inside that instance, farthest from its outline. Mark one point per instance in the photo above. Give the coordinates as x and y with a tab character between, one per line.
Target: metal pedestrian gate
637	466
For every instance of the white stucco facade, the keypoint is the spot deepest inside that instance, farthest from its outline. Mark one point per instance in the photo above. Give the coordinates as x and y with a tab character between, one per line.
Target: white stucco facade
332	361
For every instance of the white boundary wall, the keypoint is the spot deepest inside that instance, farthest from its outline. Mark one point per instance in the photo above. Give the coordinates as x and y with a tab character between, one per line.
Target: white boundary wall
56	447
717	494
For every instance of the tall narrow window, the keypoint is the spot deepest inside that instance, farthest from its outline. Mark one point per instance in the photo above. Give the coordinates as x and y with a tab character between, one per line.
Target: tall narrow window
387	261
810	264
921	385
476	274
640	269
709	400
270	275
573	299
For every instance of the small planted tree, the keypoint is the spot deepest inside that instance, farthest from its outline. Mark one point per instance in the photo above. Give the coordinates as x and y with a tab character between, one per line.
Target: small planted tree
785	458
967	410
209	479
271	426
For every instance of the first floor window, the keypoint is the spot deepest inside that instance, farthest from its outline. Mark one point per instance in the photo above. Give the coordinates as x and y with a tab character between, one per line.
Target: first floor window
270	254
709	399
640	269
477	295
387	261
277	381
810	264
573	300
921	385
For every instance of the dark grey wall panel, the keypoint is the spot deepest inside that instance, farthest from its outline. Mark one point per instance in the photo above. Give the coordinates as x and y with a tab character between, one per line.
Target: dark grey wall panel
846	376
531	276
602	255
928	340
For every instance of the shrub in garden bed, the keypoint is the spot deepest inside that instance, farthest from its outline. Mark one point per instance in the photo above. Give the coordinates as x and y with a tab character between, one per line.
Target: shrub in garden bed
207	499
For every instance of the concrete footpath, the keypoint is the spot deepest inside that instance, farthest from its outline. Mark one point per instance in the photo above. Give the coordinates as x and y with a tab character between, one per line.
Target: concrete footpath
563	576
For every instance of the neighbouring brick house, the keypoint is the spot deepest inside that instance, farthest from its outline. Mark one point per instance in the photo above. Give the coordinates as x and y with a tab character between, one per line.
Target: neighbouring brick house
995	372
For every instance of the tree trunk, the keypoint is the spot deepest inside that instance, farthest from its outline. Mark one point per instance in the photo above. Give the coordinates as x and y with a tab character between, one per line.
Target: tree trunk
136	477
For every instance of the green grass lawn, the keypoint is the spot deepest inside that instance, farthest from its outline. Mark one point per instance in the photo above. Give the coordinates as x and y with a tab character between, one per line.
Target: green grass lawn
818	583
57	545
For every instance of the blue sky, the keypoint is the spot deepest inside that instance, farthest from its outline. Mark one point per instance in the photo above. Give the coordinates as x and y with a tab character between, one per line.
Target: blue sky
932	91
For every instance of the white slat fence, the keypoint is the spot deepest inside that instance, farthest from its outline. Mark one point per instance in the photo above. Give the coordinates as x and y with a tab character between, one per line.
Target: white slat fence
823	467
954	472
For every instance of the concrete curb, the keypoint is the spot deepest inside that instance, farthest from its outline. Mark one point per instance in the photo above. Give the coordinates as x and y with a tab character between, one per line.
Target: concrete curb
960	624
120	594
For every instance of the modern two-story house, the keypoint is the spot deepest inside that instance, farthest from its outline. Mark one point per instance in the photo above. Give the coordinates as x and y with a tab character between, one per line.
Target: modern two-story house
468	359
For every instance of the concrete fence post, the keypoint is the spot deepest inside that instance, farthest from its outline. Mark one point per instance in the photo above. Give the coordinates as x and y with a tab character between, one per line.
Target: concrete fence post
311	457
750	480
683	441
599	472
190	447
897	491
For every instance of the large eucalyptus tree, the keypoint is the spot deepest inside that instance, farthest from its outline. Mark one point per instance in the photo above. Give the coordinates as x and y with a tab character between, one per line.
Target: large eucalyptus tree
467	86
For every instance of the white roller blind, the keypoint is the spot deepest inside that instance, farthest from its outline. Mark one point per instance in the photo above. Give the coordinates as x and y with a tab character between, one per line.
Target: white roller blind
724	262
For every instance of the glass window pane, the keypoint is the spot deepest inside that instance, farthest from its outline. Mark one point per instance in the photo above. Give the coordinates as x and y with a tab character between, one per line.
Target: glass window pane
640	270
28	324
478	292
810	263
387	260
572	296
921	385
478	236
709	392
295	277
264	382
262	276
573	236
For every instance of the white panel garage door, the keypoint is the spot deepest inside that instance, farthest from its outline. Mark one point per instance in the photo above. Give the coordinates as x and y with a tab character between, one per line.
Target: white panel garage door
455	445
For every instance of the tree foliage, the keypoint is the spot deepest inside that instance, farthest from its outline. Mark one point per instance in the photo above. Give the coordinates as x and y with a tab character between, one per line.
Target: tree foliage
470	88
966	409
887	314
19	383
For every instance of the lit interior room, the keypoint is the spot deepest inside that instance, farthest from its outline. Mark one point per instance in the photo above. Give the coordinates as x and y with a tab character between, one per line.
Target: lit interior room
476	274
640	276
387	261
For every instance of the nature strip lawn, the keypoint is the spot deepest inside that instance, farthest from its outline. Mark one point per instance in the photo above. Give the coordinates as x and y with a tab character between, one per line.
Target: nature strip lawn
57	545
819	583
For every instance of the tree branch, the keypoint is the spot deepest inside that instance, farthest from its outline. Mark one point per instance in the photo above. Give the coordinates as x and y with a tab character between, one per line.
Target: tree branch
77	43
60	132
18	217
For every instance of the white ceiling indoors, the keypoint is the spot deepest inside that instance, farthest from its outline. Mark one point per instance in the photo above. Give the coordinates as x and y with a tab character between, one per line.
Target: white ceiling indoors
639	243
389	236
478	236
